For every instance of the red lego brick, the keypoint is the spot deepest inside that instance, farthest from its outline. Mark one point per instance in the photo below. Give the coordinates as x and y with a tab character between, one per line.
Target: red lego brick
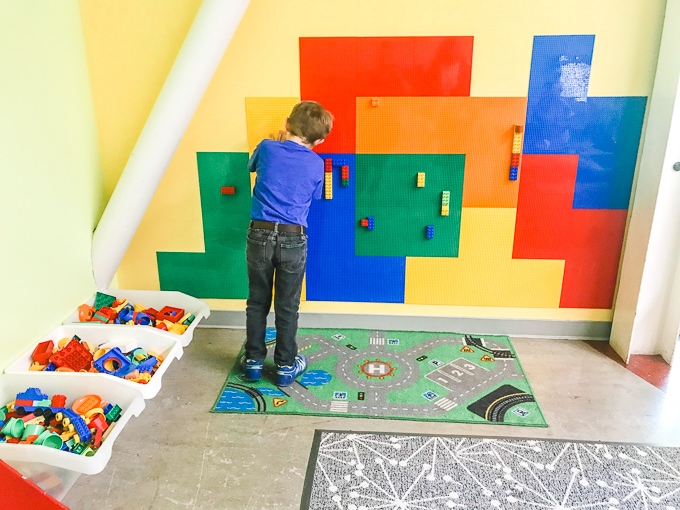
74	355
228	190
108	312
151	312
170	313
43	351
59	401
105	315
364	222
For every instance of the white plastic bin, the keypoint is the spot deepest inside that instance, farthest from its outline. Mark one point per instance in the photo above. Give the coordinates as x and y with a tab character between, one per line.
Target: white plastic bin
155	299
53	470
113	335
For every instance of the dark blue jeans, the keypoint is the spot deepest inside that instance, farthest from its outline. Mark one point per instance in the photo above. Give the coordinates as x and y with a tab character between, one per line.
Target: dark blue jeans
276	260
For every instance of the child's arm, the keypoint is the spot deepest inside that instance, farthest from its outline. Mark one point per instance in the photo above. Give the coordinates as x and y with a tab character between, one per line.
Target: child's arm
252	162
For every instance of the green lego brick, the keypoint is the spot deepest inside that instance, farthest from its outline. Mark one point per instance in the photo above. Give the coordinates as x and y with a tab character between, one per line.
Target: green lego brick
101	300
79	448
113	414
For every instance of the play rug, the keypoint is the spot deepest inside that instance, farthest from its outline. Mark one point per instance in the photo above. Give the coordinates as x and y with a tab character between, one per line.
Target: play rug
349	471
406	375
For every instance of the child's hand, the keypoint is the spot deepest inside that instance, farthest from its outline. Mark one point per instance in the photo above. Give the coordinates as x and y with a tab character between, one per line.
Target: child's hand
281	136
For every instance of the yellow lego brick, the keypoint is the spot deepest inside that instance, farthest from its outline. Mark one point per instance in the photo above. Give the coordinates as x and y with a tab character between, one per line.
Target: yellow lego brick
445	210
517	144
328	185
421	179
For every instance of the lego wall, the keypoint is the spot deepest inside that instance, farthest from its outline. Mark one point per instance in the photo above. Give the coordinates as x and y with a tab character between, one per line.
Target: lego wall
50	181
428	89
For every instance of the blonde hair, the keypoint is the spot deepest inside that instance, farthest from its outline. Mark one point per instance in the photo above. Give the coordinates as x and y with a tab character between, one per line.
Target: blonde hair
310	121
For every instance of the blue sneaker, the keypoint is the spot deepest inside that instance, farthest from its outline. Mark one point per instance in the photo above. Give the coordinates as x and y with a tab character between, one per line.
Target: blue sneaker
252	369
286	374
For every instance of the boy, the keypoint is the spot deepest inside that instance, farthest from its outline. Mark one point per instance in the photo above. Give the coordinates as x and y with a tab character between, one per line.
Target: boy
289	175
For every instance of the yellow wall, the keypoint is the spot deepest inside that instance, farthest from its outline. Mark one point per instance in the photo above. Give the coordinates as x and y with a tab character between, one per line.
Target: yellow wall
263	61
130	47
49	176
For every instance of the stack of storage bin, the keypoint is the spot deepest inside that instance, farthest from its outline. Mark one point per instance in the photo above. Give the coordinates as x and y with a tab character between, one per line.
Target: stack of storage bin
53	470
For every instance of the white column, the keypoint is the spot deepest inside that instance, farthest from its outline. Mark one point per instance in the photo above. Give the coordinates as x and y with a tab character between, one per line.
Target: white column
201	53
647	307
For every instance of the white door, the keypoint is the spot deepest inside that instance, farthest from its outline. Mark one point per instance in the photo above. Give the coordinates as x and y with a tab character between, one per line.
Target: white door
647	307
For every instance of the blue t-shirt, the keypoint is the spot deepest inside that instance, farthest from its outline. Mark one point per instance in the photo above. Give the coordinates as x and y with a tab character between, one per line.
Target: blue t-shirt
289	175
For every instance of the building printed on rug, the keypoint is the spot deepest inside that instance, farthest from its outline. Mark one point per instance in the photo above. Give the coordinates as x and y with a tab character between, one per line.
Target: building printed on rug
411	375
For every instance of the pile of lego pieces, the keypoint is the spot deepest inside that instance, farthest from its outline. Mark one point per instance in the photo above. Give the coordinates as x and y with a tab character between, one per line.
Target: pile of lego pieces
109	310
74	355
34	418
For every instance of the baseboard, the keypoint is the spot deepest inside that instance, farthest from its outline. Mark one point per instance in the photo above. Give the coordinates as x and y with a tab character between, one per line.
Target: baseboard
525	328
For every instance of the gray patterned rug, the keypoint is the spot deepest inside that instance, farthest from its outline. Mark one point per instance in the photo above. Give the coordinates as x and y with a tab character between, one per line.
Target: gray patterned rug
353	471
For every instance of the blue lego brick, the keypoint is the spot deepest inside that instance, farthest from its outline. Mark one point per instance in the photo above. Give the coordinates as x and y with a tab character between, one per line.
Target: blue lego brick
429	232
125	315
562	119
147	365
334	272
125	365
79	424
32	394
514	173
50	368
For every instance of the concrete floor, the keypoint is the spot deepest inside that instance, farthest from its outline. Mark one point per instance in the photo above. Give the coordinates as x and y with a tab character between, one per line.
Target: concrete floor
177	454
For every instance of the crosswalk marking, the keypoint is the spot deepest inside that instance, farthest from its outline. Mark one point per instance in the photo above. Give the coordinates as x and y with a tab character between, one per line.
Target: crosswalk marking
377	338
340	406
445	404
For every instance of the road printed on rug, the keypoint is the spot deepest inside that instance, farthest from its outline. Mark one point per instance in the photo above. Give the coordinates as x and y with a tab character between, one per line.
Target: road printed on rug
394	374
